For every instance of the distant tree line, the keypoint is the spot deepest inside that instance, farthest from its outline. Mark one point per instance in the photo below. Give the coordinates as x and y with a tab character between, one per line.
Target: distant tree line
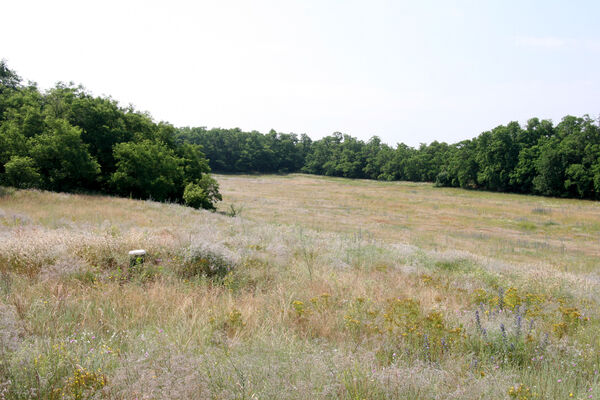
560	160
65	139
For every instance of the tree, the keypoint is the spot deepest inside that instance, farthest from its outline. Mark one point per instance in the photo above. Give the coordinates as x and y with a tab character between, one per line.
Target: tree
497	156
549	179
8	78
103	125
195	164
147	170
462	165
62	157
12	142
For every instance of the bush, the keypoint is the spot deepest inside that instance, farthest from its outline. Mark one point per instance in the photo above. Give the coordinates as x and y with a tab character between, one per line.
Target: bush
205	261
194	196
21	172
203	194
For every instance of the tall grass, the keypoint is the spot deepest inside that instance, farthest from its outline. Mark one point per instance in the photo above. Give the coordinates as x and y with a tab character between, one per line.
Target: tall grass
237	307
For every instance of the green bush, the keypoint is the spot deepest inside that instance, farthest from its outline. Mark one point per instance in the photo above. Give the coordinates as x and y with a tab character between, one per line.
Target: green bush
21	172
203	194
194	196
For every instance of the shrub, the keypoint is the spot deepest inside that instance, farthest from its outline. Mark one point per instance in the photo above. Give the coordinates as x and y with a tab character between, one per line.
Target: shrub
205	261
21	172
202	194
194	196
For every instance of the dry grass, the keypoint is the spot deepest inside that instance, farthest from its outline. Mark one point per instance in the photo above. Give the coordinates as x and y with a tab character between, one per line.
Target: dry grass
559	232
336	289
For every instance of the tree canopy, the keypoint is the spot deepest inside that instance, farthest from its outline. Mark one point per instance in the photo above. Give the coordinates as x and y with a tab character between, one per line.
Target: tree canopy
541	158
65	139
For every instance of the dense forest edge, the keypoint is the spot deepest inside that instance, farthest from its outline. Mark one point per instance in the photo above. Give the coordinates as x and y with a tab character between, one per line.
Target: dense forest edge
541	158
65	139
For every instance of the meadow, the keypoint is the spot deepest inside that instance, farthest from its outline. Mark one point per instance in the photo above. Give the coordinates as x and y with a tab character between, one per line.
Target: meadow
300	287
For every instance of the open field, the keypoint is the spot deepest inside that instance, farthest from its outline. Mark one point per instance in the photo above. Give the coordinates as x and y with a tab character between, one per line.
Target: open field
320	288
558	232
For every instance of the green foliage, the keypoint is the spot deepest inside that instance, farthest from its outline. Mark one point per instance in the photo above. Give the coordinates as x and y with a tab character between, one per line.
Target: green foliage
8	78
21	172
12	142
62	157
195	164
147	170
66	139
232	150
78	141
194	196
203	194
103	125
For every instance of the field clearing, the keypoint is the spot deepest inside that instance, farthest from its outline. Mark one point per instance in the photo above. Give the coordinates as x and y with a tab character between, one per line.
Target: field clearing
562	233
319	288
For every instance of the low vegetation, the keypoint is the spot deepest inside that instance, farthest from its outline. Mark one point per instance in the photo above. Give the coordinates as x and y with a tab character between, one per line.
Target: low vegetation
293	301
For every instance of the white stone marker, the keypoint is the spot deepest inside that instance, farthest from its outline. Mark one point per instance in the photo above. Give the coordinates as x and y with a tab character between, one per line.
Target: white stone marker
134	255
137	253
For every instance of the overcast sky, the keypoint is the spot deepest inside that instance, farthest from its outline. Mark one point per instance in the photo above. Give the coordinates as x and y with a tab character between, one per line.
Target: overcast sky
408	72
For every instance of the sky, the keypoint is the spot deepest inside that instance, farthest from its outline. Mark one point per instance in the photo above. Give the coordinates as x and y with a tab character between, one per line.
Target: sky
406	71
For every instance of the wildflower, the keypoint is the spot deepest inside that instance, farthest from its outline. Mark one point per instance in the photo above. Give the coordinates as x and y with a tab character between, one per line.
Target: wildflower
530	326
518	325
298	307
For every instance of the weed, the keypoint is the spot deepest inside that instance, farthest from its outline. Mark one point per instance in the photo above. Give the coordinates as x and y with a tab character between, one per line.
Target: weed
205	261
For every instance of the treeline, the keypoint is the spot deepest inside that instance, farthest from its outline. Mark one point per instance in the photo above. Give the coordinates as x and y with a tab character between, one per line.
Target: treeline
560	160
65	139
232	150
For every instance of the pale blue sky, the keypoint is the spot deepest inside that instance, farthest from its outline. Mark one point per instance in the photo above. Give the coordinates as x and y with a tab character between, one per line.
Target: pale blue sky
406	71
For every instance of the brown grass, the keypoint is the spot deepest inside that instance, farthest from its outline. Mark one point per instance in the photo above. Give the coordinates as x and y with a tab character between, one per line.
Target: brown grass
317	266
562	233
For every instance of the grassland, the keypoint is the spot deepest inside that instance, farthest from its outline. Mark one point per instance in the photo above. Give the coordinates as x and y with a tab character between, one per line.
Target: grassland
319	288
